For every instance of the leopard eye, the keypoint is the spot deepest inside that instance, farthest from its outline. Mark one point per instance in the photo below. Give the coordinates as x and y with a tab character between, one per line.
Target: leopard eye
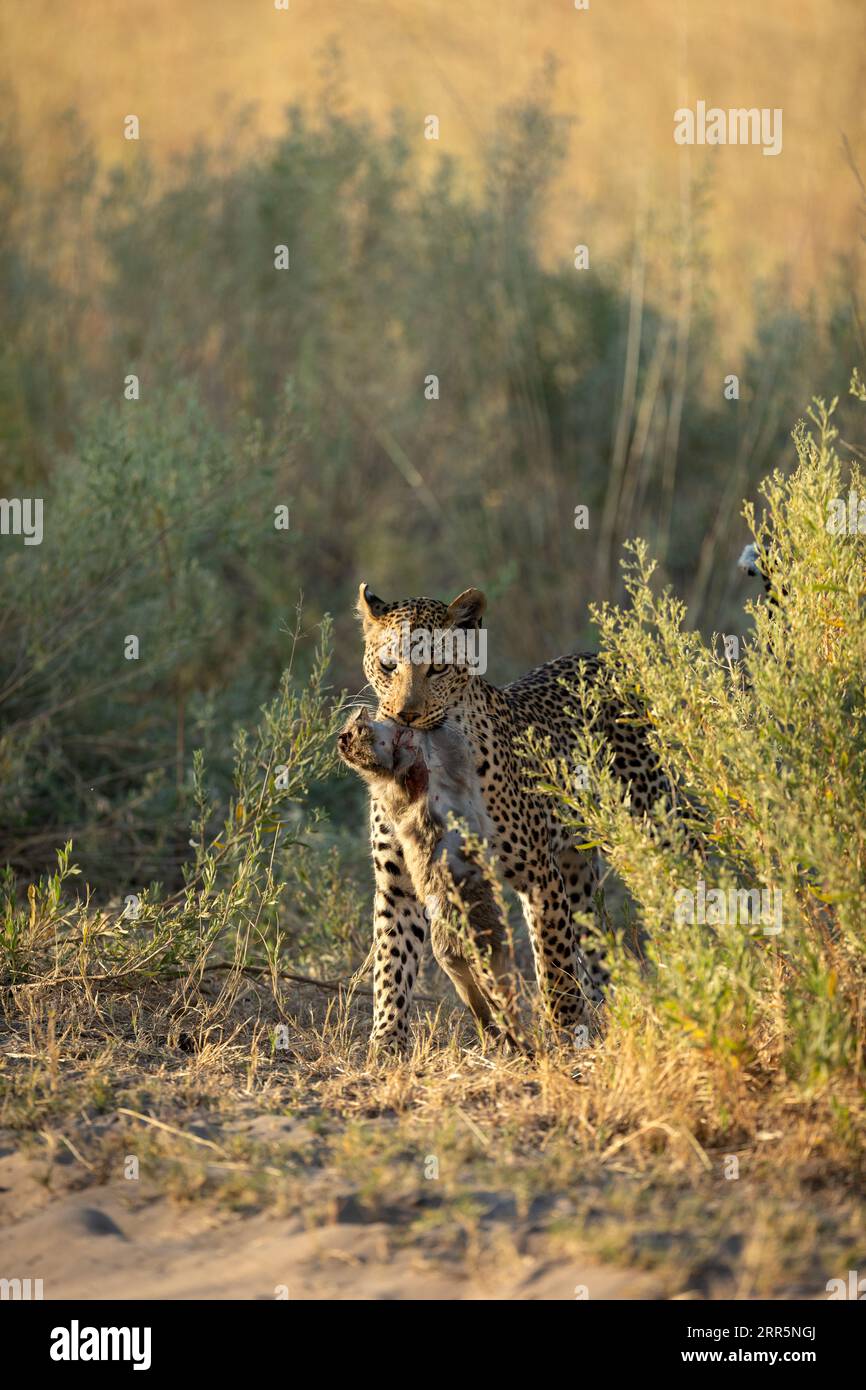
435	670
387	667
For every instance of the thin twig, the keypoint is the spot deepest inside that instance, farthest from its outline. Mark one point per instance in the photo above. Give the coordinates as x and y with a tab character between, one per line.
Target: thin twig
333	986
170	1129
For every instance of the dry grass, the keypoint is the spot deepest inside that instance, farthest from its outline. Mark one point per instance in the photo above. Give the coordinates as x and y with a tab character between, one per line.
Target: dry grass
620	1152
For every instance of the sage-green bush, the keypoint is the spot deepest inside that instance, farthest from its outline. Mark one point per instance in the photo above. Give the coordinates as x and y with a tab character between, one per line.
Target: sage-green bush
768	756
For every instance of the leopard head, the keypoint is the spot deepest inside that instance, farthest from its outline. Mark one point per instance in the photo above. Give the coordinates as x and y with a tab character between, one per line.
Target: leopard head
420	654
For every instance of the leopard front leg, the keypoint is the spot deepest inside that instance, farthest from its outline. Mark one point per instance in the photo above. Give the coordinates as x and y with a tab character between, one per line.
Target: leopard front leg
560	967
581	873
399	927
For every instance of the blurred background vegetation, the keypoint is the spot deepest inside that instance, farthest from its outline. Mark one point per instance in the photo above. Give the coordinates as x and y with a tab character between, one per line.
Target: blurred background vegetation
306	387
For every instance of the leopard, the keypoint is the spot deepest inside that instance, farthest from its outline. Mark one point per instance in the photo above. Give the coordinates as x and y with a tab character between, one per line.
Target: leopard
426	780
420	681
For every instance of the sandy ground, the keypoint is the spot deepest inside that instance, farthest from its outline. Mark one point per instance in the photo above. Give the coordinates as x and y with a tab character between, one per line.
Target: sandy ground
102	1242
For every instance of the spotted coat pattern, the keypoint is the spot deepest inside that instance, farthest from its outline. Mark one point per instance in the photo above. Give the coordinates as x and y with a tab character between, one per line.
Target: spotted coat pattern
536	855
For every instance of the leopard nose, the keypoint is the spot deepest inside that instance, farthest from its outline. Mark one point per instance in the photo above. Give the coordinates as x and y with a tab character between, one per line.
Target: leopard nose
408	716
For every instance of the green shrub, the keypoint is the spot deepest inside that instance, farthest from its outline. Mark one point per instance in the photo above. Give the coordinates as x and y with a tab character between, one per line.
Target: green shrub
768	755
248	898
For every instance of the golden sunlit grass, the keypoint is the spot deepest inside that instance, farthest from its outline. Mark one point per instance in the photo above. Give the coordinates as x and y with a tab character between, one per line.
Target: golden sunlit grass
622	71
652	1157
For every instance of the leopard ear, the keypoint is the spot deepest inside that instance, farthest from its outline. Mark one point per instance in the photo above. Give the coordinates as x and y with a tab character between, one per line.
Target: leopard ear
466	609
369	608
